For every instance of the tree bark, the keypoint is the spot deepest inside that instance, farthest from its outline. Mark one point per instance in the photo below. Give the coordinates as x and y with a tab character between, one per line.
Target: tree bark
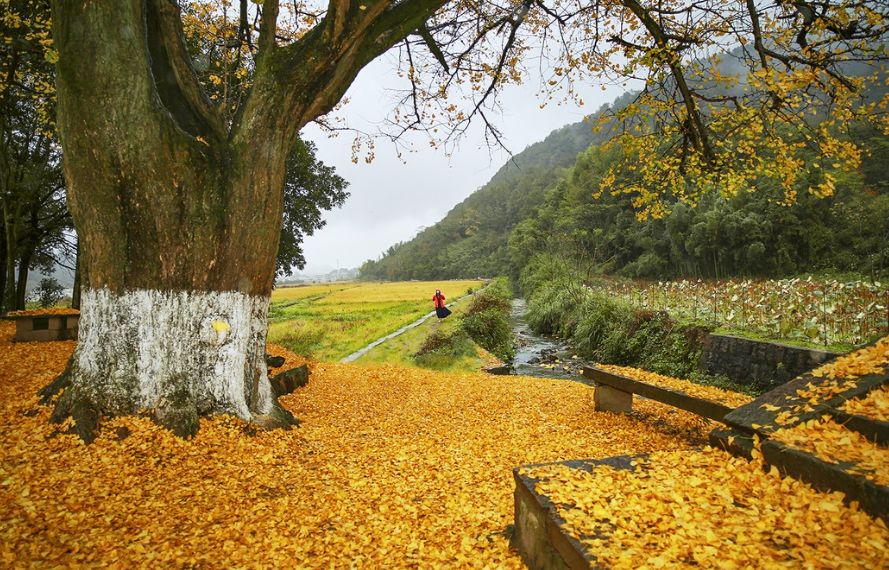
75	291
9	225
3	263
177	244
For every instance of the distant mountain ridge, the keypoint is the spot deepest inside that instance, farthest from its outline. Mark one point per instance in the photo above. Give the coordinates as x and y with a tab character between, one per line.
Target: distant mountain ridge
471	239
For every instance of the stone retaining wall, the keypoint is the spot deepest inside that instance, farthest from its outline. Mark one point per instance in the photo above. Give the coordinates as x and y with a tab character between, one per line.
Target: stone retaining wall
757	363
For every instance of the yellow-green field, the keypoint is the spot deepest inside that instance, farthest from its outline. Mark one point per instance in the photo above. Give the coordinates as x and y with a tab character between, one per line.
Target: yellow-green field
402	348
330	321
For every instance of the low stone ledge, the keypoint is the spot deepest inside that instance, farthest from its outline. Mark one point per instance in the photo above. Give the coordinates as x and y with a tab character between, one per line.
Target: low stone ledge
44	327
762	364
540	536
872	498
289	380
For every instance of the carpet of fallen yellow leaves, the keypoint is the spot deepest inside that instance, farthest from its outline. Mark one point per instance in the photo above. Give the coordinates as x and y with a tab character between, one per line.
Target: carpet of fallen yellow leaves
392	467
711	393
875	405
838	376
834	443
52	311
871	359
705	509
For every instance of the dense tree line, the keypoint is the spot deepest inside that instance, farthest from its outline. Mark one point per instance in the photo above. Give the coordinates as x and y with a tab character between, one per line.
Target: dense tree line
750	234
35	224
540	206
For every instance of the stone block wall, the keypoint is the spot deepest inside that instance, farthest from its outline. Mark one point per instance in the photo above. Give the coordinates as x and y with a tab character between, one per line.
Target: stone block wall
758	363
45	327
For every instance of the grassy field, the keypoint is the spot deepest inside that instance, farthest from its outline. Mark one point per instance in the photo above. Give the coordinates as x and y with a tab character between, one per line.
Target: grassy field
402	348
330	321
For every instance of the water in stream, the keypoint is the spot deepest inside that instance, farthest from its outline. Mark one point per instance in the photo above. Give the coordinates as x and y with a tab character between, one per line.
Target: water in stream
538	355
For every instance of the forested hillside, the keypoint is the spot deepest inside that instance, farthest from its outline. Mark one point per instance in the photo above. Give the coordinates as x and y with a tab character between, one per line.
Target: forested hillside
472	238
543	203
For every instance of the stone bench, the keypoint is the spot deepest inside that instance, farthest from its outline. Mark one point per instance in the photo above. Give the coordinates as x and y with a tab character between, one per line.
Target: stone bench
45	327
614	393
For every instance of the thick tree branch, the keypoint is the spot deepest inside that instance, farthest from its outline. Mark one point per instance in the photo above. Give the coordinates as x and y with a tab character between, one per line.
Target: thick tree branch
433	47
174	76
307	78
268	26
697	130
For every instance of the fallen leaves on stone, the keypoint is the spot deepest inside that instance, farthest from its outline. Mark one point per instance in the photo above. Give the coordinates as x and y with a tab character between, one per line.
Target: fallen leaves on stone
872	359
392	467
875	405
709	510
53	311
290	360
835	378
711	393
834	443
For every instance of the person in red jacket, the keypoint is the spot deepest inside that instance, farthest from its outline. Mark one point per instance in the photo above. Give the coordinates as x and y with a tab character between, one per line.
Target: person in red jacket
441	311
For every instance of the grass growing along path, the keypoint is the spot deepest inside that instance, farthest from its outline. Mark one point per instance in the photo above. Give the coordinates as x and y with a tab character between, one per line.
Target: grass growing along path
330	321
401	349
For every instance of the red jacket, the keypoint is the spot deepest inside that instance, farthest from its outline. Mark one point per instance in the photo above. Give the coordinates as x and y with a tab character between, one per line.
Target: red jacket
439	300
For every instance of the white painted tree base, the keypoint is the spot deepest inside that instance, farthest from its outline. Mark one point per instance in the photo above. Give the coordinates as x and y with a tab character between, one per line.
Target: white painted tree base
166	351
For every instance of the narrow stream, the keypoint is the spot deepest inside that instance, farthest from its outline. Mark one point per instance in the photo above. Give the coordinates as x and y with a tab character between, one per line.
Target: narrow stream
538	355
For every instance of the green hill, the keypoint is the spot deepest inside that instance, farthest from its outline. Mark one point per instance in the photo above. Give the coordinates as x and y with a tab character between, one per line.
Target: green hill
541	202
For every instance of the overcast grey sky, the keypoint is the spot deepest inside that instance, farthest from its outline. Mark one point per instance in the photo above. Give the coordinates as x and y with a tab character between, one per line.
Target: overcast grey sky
390	199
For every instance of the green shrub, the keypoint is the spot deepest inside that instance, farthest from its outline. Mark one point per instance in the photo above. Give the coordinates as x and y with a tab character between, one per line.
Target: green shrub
48	292
545	269
441	349
487	320
601	330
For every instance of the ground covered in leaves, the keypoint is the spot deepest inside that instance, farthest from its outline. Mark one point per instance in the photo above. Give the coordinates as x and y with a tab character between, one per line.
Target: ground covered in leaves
708	510
392	467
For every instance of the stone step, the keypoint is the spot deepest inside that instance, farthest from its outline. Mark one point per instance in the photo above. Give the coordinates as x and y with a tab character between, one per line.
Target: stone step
823	475
540	536
761	414
874	430
872	498
289	380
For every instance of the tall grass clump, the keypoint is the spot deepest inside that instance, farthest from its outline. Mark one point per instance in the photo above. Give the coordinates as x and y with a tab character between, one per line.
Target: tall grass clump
545	269
612	332
442	348
555	294
486	320
603	328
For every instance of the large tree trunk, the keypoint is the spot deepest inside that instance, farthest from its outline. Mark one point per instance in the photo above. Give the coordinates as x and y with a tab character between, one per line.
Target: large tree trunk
178	214
178	233
21	287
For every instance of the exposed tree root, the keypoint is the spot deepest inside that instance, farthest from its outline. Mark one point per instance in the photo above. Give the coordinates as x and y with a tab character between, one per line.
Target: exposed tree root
179	413
83	411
